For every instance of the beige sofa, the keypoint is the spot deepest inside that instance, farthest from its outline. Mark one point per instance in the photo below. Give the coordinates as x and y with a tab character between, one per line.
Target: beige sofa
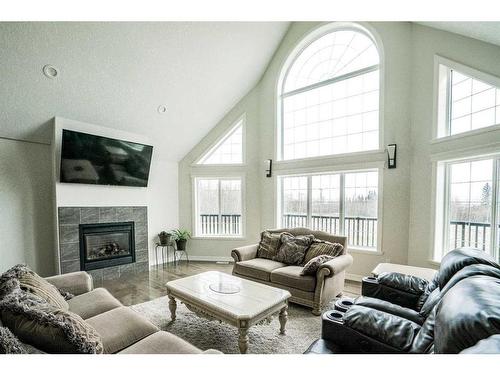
312	291
122	330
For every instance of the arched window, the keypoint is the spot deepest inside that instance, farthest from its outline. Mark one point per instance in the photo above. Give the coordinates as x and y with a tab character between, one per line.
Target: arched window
329	96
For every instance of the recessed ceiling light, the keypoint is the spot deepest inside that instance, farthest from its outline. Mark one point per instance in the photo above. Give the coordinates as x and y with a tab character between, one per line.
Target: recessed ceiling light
50	71
162	109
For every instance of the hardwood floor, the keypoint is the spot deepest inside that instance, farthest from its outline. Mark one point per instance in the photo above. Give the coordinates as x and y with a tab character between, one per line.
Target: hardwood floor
133	288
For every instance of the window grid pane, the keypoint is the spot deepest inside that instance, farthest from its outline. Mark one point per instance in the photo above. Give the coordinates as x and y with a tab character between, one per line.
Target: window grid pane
230	151
333	119
219	207
470	205
474	104
360	192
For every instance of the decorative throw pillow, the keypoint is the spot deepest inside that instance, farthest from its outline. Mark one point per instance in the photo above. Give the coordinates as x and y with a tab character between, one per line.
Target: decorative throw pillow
319	247
293	249
10	344
46	327
269	245
312	266
33	283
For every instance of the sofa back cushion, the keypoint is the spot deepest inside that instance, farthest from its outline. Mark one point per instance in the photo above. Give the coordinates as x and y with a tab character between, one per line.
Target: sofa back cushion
23	277
46	327
269	245
320	247
318	234
293	249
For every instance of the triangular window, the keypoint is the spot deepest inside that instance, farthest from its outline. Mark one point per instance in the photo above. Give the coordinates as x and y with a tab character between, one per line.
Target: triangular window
229	150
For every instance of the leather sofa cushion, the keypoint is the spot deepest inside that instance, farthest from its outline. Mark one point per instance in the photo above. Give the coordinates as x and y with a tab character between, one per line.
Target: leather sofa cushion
469	312
390	308
161	343
290	276
93	303
120	328
457	259
386	328
491	345
258	268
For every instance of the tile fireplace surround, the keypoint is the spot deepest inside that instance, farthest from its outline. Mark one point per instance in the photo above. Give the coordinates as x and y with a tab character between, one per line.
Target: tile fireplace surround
70	218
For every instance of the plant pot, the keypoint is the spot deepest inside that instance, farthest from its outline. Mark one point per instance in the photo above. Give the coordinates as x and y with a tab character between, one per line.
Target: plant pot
164	240
181	244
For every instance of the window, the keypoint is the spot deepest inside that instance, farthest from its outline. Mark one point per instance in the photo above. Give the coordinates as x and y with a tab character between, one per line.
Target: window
468	206
340	203
229	150
467	99
329	97
218	205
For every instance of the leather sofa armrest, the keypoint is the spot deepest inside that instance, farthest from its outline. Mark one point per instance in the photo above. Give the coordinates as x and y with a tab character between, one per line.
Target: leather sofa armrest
242	253
408	283
391	291
75	282
335	266
389	329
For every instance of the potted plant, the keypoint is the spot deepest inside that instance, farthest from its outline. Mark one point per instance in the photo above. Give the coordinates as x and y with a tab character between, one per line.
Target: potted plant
164	237
181	236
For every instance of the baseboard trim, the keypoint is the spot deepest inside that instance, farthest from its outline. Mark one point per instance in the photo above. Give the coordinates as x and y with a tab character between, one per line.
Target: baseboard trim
354	277
204	258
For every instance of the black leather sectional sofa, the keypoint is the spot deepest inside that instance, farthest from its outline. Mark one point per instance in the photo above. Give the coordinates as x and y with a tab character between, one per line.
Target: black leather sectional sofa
456	312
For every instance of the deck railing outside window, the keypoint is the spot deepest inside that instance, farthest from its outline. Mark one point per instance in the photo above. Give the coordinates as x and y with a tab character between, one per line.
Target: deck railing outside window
213	224
360	231
464	233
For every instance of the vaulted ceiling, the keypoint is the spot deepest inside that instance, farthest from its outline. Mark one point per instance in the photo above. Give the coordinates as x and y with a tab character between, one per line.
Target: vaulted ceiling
486	31
118	74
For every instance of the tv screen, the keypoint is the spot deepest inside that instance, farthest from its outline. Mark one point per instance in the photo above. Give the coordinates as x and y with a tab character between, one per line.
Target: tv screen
92	159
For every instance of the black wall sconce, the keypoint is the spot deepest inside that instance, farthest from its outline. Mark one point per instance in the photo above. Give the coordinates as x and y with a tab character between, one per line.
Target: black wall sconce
391	155
269	167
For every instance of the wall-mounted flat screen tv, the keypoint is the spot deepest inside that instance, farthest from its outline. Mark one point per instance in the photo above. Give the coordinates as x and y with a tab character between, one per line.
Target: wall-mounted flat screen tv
92	159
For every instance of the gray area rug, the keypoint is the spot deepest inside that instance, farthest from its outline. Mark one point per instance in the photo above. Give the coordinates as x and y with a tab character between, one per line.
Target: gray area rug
302	329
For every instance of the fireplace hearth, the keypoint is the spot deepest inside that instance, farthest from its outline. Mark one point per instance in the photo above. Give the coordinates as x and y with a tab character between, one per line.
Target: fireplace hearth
106	245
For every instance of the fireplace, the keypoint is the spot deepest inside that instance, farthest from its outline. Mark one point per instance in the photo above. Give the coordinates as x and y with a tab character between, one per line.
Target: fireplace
106	244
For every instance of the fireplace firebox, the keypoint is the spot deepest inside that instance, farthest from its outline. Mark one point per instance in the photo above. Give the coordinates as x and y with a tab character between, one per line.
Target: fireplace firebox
106	244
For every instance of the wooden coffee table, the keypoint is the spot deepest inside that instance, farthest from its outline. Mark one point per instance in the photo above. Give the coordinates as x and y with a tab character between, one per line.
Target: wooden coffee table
239	302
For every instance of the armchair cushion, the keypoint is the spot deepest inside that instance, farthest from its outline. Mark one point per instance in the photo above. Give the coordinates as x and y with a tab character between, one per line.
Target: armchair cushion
161	343
389	329
120	328
93	303
319	247
293	249
291	276
257	268
75	282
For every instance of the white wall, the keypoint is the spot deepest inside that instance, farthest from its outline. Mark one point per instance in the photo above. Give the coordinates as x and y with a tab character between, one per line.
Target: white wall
426	43
160	196
26	208
260	107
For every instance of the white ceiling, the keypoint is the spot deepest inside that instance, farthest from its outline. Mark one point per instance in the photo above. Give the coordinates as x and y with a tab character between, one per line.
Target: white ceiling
486	31
117	74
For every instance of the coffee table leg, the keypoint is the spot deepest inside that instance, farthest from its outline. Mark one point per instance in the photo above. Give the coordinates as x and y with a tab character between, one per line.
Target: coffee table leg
283	319
243	340
172	305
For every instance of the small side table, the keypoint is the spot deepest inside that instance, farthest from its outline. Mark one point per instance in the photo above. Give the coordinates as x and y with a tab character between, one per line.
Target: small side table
182	252
162	249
